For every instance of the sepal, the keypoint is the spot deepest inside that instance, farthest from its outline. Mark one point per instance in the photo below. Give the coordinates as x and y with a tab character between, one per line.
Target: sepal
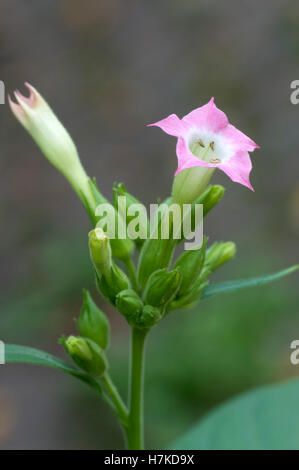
190	264
92	322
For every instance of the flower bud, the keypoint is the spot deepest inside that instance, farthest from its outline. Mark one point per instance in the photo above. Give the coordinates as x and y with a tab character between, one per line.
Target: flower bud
150	316
109	277
100	251
189	299
190	264
112	284
122	248
155	254
162	287
119	190
130	305
92	322
190	183
218	254
86	354
210	197
53	140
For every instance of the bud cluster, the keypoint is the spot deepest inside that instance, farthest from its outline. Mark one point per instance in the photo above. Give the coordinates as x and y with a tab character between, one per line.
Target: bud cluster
159	284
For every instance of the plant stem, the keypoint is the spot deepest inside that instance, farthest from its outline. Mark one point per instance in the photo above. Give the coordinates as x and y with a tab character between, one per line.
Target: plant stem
132	272
135	430
118	404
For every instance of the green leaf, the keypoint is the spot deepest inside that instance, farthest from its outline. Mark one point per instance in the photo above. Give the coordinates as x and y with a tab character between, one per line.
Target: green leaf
264	419
24	354
232	286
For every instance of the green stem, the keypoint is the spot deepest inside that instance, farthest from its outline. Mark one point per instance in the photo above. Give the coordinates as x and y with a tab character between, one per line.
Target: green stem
132	272
135	430
118	404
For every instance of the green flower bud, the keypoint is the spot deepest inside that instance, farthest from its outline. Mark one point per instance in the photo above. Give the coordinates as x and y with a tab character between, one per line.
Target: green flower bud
129	304
131	202
157	251
211	196
112	284
162	287
122	248
110	278
219	253
190	264
155	254
189	299
100	252
86	354
92	322
150	316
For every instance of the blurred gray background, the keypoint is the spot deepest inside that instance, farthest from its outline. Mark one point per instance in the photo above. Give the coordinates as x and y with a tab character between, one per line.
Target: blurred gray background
108	68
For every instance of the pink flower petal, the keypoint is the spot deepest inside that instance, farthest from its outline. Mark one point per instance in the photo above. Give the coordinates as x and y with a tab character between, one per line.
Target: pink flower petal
232	145
239	140
238	168
172	125
17	110
208	117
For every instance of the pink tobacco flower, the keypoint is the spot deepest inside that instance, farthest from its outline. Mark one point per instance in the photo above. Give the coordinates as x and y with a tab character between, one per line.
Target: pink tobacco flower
206	139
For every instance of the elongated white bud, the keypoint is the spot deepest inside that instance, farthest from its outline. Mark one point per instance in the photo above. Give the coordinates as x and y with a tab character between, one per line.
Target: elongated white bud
39	120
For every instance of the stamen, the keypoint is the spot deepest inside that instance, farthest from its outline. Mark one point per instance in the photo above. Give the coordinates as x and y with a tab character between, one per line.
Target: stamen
215	160
212	145
201	143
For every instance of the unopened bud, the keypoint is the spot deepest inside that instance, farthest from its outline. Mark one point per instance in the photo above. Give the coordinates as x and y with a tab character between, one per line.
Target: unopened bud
56	144
155	254
150	316
86	354
113	284
130	305
92	322
122	248
100	251
210	197
131	206
190	264
189	299
162	287
219	253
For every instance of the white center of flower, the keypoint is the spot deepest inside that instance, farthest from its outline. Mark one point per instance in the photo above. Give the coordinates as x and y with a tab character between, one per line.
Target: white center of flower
209	147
